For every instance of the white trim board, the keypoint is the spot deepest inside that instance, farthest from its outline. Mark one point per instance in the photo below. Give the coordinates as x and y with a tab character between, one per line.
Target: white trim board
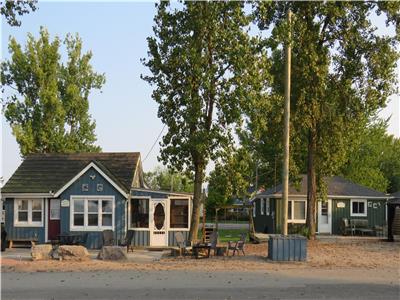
85	169
328	196
26	195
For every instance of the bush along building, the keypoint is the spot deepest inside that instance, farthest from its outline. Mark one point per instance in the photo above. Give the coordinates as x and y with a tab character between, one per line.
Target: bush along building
86	193
345	201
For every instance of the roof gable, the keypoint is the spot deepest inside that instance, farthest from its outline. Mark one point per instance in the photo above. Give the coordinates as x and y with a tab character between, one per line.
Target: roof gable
41	173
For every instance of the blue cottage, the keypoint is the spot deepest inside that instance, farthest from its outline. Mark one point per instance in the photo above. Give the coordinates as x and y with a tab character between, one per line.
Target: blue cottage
86	193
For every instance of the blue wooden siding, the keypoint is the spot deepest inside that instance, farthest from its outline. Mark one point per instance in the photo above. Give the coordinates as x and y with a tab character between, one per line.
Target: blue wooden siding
95	237
20	232
171	237
141	238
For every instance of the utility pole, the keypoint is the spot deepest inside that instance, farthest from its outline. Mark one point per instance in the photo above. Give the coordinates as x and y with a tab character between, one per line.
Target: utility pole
286	132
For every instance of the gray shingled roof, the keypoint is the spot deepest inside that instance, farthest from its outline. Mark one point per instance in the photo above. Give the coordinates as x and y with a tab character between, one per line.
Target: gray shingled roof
337	186
41	173
396	195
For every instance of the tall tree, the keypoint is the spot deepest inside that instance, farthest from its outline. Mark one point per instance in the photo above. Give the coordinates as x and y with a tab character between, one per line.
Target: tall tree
47	100
163	179
10	9
342	73
198	60
375	160
232	177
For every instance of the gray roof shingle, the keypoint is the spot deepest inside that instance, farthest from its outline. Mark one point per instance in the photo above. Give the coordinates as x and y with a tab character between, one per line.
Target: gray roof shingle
337	186
41	173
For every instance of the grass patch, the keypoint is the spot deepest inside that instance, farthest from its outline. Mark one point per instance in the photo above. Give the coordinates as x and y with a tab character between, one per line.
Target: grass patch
226	235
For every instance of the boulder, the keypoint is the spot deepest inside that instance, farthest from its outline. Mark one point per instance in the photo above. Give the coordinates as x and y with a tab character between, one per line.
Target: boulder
41	252
112	253
77	253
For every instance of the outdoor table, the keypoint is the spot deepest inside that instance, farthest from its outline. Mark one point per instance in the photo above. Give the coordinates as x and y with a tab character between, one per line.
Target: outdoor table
196	249
69	239
365	231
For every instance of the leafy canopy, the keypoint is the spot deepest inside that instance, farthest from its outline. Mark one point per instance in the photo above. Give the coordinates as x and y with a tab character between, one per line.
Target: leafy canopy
10	9
163	179
47	100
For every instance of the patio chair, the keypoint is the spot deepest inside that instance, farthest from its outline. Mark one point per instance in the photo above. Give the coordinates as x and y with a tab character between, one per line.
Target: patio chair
184	245
346	227
128	241
214	241
237	246
108	237
83	239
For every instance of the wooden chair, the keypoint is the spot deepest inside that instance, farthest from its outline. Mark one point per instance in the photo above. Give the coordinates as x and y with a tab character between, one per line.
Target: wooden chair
108	237
214	241
237	246
346	227
184	245
128	240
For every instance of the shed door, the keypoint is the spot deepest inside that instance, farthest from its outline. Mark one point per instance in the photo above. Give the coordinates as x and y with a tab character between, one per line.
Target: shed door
325	216
54	219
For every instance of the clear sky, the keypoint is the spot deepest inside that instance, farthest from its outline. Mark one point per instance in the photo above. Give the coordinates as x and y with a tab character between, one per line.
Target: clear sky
125	114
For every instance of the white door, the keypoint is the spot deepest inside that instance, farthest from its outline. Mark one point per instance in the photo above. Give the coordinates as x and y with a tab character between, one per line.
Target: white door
325	216
158	224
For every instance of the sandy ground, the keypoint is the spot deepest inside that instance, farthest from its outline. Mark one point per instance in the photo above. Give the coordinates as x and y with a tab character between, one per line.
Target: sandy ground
372	255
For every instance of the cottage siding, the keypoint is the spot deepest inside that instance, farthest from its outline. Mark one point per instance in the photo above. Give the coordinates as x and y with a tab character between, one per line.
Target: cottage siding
21	232
94	237
376	210
171	237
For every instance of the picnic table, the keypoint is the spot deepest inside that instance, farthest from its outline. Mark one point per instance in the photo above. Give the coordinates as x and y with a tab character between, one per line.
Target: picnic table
198	249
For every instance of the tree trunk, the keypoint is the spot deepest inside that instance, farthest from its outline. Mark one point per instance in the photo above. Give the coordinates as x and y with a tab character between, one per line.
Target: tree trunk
311	184
197	199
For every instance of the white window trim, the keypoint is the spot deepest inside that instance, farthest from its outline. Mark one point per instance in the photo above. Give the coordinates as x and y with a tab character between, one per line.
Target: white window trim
298	221
262	206
254	209
85	227
169	214
267	206
129	214
357	214
29	223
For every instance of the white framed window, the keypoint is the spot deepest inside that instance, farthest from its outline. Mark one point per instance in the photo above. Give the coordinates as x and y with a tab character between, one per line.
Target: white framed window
254	209
297	211
262	206
179	213
139	213
28	212
92	213
358	207
267	207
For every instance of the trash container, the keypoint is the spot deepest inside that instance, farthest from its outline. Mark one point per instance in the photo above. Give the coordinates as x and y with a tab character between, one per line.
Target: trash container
287	248
3	238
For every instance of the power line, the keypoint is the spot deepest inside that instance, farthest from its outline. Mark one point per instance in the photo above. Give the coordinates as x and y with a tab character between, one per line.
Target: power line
152	147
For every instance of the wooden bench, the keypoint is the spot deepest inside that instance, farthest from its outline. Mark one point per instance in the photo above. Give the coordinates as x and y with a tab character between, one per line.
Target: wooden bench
361	225
32	240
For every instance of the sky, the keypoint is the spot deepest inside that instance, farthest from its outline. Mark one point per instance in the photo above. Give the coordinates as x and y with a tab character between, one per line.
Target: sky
126	116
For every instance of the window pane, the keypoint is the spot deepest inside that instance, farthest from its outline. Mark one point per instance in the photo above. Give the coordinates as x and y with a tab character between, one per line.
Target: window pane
179	215
355	207
93	206
78	219
22	204
299	210
289	210
106	220
36	216
79	205
93	220
22	216
140	213
37	204
361	207
106	206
